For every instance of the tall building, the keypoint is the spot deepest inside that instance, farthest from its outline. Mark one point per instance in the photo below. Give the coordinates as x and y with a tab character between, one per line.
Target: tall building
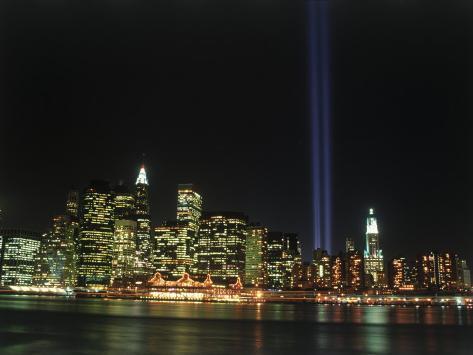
437	271
57	258
18	252
462	273
354	270
323	269
72	204
374	262
189	211
143	225
338	272
165	259
255	243
124	203
401	275
124	253
349	245
292	260
96	235
282	261
220	250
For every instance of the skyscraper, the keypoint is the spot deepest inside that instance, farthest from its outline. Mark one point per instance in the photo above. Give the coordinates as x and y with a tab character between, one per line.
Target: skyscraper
57	258
96	235
323	269
282	260
255	242
166	241
349	245
374	262
189	210
18	251
123	252
124	259
220	250
354	270
143	224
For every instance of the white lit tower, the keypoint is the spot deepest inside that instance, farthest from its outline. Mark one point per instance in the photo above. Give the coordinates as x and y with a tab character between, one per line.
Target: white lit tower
374	265
143	224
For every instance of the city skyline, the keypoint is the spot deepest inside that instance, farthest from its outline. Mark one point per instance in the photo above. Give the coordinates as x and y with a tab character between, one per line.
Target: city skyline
123	211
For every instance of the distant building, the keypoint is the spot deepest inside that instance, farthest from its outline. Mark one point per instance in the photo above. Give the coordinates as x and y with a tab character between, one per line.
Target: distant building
165	256
282	261
322	268
143	225
125	259
307	276
338	278
220	250
96	235
57	259
373	257
254	265
189	211
18	252
349	245
354	270
124	203
462	273
124	253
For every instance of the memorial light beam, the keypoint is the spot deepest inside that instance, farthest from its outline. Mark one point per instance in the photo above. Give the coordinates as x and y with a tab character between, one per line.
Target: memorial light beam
320	112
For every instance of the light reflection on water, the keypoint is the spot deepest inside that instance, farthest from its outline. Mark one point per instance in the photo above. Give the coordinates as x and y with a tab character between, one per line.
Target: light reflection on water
42	325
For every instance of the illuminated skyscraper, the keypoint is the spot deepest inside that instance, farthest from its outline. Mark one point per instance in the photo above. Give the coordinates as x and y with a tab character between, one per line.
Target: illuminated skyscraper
374	262
354	270
437	271
96	235
18	252
220	250
166	241
57	258
143	225
349	245
338	272
124	252
323	269
255	242
124	207
282	261
189	210
400	274
72	204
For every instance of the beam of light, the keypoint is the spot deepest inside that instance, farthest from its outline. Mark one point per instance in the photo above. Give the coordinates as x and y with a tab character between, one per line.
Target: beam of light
319	100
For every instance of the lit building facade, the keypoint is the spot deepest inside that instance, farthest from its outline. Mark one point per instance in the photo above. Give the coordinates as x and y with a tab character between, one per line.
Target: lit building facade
255	244
57	258
402	275
124	252
322	268
220	250
124	203
354	270
463	278
143	225
373	258
189	211
282	261
96	235
165	259
338	272
18	256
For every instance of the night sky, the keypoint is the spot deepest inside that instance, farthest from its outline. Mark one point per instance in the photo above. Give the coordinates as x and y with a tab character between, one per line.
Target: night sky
214	92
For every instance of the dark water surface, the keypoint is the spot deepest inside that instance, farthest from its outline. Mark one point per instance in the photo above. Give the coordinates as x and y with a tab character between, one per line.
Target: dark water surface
55	326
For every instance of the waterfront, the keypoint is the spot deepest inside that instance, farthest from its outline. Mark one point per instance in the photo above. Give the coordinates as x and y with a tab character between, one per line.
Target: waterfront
56	326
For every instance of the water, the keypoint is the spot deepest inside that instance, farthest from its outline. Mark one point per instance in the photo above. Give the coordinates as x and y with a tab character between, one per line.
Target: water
40	325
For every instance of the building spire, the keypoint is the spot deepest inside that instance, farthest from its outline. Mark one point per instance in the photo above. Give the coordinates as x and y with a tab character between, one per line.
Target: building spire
142	179
371	223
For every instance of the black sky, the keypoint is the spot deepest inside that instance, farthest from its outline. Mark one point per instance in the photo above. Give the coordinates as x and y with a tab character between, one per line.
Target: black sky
214	92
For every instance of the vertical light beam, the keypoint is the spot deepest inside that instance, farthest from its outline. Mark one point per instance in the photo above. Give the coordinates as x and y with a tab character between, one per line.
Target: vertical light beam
320	112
